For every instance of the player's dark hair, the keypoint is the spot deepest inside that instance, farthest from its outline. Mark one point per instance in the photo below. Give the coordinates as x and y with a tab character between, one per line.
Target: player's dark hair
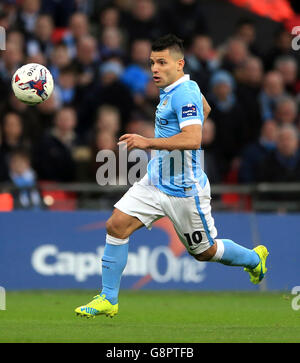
169	41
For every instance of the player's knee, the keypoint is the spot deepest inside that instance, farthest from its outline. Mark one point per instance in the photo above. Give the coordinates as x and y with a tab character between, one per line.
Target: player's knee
208	254
202	257
115	227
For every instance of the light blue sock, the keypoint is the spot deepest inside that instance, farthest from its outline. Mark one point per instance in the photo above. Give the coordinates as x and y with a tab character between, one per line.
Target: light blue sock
232	254
114	261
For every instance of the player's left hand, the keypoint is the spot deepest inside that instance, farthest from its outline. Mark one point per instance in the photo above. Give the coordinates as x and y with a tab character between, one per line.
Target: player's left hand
135	141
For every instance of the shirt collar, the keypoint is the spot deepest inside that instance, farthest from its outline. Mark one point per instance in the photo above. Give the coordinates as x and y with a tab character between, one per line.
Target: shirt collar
169	88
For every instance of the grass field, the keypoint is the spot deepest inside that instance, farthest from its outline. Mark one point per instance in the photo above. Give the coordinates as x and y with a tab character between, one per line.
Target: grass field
151	317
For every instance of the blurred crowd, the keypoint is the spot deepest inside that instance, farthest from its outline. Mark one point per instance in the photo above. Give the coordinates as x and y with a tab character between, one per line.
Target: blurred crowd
98	52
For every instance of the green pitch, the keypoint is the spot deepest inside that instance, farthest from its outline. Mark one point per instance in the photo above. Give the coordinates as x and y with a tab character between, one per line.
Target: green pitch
152	317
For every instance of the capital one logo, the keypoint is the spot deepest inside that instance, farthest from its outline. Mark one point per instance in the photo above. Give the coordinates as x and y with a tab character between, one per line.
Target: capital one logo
296	299
2	298
2	38
296	39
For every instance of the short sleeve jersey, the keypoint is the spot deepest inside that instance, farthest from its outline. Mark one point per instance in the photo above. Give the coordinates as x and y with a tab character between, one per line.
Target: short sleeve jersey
179	172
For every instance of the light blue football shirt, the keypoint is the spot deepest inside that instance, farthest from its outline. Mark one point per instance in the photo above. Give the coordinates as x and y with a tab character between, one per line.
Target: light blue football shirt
179	172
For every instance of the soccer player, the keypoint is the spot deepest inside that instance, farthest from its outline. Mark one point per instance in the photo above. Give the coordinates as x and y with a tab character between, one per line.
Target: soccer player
180	193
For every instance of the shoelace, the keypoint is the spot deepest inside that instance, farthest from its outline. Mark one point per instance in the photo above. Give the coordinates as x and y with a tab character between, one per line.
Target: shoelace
99	297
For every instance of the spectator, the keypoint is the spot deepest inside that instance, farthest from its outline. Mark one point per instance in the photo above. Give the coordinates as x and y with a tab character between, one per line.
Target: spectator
9	62
228	116
250	72
53	157
9	10
281	47
283	164
46	110
139	125
108	120
137	74
59	59
12	138
31	124
59	10
249	77
254	153
100	62
87	62
66	86
27	16
109	90
234	54
86	6
147	104
104	141
184	18
143	21
40	42
4	20
38	58
13	133
245	30
111	44
287	66
286	111
78	28
26	194
95	8
109	17
113	91
123	5
3	166
17	38
201	61
210	153
86	66
272	90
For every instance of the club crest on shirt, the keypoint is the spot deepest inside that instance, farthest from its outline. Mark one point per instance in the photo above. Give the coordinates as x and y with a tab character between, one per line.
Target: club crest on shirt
189	110
165	102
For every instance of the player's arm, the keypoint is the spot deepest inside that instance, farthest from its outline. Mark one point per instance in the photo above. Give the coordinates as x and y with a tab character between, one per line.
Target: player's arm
188	139
206	108
191	113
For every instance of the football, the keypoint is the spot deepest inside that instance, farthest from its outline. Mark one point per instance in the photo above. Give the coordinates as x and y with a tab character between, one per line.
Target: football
32	84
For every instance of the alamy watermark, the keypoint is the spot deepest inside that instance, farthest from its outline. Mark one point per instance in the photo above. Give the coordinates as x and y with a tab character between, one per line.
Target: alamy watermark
176	167
296	39
2	38
2	298
296	299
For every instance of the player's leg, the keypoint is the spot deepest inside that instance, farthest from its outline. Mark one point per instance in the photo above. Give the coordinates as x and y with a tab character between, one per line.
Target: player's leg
137	208
230	253
226	251
195	227
118	227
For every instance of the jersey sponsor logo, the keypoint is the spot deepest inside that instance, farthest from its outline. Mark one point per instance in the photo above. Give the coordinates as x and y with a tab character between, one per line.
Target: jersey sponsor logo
161	121
189	110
